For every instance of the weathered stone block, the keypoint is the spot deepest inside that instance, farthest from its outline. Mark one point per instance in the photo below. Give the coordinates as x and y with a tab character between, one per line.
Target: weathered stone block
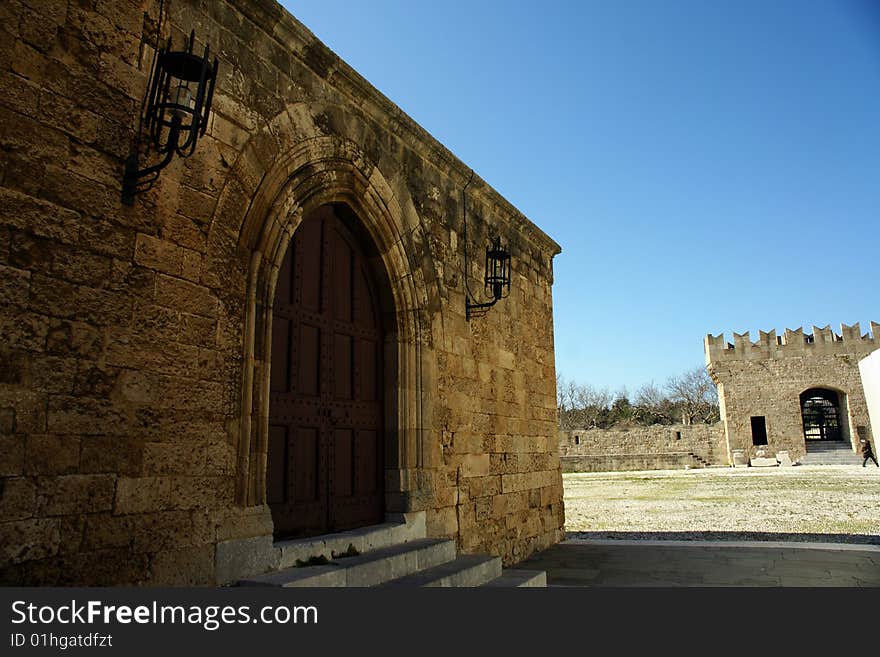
72	530
243	522
85	416
186	567
41	218
219	458
11	455
70	494
52	454
13	367
184	232
185	296
99	568
170	458
144	494
105	530
199	331
102	307
29	409
113	454
26	540
18	498
52	374
475	465
239	558
165	257
109	239
154	532
73	338
483	486
441	522
95	381
14	286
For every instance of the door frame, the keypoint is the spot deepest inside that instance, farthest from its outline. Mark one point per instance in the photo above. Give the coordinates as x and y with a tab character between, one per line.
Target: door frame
331	170
338	219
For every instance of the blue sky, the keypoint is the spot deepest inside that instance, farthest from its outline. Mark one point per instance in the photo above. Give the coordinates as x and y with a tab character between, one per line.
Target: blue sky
706	166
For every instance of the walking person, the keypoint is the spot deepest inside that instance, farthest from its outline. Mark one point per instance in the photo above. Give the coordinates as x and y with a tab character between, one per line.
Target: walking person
867	453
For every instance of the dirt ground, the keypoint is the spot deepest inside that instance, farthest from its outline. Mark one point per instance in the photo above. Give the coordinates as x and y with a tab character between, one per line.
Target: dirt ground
805	503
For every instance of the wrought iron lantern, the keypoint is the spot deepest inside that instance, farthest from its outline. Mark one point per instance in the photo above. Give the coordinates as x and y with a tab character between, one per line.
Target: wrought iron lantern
178	104
496	283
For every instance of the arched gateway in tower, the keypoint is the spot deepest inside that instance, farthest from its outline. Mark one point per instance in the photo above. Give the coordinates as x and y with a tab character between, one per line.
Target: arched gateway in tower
820	411
325	461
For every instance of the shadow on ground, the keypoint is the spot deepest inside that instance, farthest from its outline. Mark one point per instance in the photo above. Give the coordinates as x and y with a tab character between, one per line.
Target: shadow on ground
857	539
709	559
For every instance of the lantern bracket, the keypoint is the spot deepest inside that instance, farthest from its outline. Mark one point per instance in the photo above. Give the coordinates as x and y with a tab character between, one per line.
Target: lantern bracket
496	280
175	113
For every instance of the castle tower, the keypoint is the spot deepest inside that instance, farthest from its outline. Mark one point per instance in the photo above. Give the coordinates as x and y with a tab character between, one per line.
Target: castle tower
792	391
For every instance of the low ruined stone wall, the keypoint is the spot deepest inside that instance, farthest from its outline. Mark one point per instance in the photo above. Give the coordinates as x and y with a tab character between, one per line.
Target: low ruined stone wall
626	462
642	448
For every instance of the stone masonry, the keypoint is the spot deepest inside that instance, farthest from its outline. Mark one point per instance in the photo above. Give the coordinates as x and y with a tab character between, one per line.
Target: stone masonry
656	447
133	353
766	378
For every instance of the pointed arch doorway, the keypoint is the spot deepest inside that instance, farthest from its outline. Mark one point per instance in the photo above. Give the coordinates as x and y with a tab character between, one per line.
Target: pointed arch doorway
326	461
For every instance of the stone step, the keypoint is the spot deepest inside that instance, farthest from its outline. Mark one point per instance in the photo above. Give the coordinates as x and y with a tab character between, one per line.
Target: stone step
397	529
830	453
511	577
243	558
464	571
816	459
828	447
819	461
369	569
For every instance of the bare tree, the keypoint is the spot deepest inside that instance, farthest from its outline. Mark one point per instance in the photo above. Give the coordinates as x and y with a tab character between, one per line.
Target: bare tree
581	406
689	398
652	406
695	394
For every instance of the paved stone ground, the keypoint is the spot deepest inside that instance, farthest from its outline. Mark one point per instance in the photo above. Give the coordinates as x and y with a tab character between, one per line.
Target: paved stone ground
816	525
825	503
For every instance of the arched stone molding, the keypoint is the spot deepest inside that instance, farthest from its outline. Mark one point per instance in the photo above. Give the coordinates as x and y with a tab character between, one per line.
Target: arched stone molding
269	189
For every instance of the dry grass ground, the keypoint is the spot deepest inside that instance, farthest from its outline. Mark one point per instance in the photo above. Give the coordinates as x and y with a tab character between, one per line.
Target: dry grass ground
837	503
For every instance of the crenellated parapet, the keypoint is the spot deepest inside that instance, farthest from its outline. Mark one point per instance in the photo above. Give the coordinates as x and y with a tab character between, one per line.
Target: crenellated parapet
792	343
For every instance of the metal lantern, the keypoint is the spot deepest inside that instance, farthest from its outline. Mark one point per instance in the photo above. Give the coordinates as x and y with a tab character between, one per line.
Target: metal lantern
496	282
181	88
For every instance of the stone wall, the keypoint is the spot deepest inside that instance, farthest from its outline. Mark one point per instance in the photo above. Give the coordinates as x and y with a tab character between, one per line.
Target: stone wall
630	462
766	379
133	352
656	447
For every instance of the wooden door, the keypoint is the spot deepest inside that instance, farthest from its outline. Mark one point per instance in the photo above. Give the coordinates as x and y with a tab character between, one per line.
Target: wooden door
325	462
